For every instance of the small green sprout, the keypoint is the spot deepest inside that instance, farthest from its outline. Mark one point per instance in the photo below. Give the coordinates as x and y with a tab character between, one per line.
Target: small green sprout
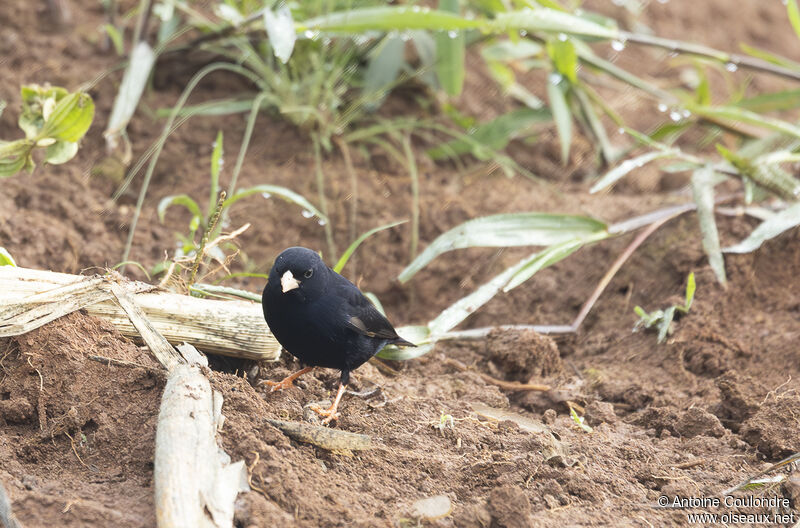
662	319
579	420
445	421
5	258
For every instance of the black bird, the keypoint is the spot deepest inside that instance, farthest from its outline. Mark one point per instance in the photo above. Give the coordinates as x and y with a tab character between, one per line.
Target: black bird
322	319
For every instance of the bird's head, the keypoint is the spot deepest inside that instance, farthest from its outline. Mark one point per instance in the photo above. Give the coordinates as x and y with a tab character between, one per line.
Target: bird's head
300	272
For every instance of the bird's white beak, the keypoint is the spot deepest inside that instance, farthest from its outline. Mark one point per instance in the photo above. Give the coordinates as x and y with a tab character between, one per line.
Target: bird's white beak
288	282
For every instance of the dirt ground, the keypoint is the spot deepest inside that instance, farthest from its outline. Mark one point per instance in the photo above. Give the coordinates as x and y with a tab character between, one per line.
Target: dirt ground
715	404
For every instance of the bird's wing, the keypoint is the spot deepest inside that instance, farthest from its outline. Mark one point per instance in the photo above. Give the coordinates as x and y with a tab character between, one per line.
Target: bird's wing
361	315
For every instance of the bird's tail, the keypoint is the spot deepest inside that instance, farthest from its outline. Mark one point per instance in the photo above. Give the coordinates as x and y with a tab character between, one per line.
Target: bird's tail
402	342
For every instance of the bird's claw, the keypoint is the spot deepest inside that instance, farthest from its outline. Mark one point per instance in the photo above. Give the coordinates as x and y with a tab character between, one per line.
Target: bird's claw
328	414
279	385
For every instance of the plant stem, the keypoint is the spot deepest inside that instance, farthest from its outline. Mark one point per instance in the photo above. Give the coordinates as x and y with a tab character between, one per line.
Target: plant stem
742	61
323	202
352	227
413	173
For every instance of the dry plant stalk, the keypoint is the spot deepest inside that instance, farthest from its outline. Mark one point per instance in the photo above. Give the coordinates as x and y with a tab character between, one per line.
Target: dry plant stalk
32	298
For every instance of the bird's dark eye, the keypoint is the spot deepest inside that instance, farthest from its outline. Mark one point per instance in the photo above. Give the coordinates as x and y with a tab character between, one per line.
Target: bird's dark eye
308	273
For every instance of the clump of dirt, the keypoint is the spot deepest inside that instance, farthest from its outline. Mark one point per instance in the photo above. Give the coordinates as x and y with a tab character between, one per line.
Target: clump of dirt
773	427
524	356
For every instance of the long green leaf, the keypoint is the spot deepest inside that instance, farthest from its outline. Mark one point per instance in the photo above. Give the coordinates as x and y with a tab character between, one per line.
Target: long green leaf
562	53
770	228
550	21
450	54
561	114
703	192
745	116
357	242
492	135
178	199
549	256
506	230
390	18
772	102
5	258
621	170
267	191
794	15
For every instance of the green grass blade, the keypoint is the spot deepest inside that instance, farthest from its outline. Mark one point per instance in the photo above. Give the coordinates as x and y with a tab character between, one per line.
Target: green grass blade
506	230
450	54
794	15
5	258
389	18
772	102
550	21
561	114
357	242
178	199
703	192
492	135
216	167
622	170
384	66
734	113
562	52
268	191
550	256
768	229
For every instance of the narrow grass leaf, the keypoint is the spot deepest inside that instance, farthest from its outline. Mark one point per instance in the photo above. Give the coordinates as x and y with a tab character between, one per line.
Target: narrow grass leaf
357	242
450	53
772	102
794	15
211	108
550	256
703	192
561	114
768	229
624	168
130	91
550	21
268	191
5	258
454	314
492	135
735	114
506	230
389	18
280	31
216	167
178	199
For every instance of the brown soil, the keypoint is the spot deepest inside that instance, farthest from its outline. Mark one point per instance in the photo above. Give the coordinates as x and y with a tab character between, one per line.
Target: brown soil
715	404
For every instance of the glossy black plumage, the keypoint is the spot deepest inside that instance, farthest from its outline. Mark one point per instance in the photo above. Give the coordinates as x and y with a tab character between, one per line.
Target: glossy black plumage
325	320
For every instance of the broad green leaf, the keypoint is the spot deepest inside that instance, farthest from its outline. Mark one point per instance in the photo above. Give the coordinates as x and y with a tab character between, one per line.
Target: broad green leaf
450	53
621	170
268	191
794	15
384	66
549	256
565	59
550	21
280	31
5	258
388	18
506	230
492	135
12	165
561	114
70	119
768	229
60	152
130	91
178	199
357	242
703	192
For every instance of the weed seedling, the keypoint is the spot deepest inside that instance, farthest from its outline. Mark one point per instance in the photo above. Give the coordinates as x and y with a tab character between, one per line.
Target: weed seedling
662	319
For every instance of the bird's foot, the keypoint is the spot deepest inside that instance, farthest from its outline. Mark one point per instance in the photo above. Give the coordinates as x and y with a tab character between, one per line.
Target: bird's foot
328	415
288	381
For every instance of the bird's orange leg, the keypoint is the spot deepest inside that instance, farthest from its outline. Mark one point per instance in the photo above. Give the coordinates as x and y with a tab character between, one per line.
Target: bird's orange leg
330	413
287	382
